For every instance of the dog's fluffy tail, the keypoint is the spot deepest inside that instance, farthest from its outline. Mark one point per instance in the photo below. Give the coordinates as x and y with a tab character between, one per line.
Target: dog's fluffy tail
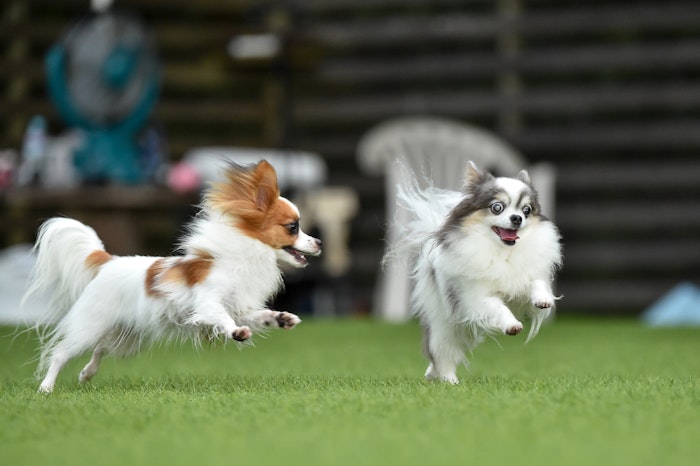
421	211
68	255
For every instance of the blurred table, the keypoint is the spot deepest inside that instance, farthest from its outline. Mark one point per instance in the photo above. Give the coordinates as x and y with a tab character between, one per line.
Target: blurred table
121	215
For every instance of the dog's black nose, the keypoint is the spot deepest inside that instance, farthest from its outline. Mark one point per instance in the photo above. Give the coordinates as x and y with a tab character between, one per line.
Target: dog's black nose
319	243
516	220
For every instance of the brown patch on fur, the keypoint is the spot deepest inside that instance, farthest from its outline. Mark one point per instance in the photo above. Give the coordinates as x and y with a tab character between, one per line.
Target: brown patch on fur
152	274
273	230
97	259
187	271
251	197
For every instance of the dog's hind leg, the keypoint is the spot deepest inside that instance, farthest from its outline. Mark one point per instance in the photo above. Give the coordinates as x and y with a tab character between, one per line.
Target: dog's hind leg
91	367
72	340
57	363
443	346
60	355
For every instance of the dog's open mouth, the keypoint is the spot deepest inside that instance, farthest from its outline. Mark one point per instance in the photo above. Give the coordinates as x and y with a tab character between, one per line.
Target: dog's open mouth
298	256
507	235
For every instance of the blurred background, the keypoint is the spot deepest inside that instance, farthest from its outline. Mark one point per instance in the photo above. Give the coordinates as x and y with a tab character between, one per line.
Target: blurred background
114	116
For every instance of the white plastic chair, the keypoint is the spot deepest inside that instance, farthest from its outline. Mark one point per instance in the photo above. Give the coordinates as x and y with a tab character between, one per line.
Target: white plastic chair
438	148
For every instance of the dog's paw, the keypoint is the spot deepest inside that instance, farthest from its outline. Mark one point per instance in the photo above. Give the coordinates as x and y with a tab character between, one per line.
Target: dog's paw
432	374
45	388
513	329
287	320
85	376
241	333
450	379
543	302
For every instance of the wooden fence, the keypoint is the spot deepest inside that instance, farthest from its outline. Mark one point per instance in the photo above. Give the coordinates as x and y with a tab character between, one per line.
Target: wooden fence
608	91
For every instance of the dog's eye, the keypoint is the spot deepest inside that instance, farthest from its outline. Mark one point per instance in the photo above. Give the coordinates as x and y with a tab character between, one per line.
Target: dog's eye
292	228
497	207
527	210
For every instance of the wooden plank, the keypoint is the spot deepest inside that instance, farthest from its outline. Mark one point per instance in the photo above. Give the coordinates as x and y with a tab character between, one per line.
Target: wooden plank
658	175
653	257
353	6
598	59
579	100
168	110
179	75
173	36
211	110
607	297
564	21
160	6
411	28
645	218
385	105
553	143
661	134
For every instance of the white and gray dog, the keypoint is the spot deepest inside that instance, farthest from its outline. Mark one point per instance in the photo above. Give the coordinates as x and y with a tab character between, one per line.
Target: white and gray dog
482	256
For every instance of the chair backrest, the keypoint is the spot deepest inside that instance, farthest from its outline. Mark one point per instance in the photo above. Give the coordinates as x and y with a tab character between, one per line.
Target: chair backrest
438	148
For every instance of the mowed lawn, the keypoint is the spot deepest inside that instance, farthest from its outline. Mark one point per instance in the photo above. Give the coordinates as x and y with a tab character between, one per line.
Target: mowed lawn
351	392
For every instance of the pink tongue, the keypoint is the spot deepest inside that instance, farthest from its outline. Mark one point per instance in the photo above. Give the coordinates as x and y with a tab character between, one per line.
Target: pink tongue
506	234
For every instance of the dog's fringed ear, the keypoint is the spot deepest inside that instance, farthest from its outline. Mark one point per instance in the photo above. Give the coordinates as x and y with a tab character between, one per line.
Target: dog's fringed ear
248	190
474	176
267	190
524	176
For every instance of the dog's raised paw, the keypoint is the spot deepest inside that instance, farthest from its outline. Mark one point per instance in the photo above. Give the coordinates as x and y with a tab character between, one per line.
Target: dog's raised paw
287	320
543	303
514	329
241	334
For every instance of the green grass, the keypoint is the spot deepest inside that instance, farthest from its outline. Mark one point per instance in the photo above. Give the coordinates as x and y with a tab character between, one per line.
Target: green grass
351	392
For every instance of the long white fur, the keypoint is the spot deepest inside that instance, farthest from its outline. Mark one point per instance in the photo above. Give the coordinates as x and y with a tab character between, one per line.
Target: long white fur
111	310
489	278
60	264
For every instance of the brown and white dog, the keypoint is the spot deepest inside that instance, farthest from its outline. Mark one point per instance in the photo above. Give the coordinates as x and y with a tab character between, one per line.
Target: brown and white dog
218	287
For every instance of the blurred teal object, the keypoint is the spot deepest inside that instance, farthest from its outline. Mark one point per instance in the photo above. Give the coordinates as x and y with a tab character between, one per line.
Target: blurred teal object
679	307
104	78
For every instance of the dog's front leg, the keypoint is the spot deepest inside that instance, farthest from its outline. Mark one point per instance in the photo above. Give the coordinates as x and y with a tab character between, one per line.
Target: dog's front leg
541	295
498	317
212	313
269	318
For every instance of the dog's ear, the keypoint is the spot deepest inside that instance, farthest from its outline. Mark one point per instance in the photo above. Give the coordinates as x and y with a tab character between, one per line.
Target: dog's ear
267	190
248	190
475	176
524	176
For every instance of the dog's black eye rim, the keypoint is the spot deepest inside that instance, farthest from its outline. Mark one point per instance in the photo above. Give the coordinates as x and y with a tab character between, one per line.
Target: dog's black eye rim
293	227
497	207
527	210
